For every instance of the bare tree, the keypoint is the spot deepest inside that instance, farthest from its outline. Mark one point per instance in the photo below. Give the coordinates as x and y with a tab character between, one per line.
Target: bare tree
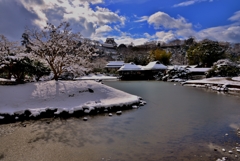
58	45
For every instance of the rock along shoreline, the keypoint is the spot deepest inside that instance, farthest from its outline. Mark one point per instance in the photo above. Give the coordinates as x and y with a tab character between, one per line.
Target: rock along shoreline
220	84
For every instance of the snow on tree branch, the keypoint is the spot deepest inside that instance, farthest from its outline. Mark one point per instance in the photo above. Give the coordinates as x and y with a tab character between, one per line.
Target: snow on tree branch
58	45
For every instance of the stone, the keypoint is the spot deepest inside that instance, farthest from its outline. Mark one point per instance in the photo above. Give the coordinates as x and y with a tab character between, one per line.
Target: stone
119	112
90	90
71	95
238	150
134	106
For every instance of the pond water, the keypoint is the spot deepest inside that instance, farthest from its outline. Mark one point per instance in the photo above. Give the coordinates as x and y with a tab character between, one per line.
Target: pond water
177	123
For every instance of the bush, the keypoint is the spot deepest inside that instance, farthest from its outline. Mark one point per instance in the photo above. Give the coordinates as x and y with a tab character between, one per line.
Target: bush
224	68
21	67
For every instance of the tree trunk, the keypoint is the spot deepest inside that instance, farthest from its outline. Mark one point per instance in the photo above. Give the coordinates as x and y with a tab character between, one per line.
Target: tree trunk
55	77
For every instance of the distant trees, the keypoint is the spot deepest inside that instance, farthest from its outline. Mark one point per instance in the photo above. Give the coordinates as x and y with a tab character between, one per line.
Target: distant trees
233	52
58	45
205	53
137	58
160	55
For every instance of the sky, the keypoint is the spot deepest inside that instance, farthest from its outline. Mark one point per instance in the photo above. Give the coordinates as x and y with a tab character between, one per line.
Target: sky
127	21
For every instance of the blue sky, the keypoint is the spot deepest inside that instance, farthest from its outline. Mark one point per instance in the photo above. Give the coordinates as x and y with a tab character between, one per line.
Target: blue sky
127	21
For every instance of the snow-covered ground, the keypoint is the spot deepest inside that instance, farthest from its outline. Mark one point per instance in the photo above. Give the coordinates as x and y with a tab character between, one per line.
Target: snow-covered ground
95	77
66	96
216	80
236	79
217	83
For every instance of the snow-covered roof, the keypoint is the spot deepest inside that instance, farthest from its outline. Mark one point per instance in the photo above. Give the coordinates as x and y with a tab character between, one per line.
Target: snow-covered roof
154	66
192	66
130	66
169	67
108	45
199	69
180	66
114	64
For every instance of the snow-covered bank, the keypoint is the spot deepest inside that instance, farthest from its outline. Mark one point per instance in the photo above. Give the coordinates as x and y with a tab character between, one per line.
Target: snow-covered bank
96	77
216	83
34	99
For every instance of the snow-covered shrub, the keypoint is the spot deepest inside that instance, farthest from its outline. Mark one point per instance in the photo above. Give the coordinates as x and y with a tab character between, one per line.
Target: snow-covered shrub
175	73
224	68
20	67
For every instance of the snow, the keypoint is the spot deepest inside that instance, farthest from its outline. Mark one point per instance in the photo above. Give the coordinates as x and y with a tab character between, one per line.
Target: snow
115	63
6	80
130	66
108	45
236	78
170	67
154	65
66	96
96	77
215	80
198	69
216	83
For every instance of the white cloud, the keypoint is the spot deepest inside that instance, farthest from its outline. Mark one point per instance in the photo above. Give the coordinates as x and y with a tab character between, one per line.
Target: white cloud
185	33
221	33
92	1
161	19
235	17
78	12
229	33
103	29
105	16
183	4
128	40
166	36
142	19
125	1
147	35
189	2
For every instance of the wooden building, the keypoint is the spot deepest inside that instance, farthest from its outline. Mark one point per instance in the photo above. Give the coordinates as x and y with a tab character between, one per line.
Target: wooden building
132	71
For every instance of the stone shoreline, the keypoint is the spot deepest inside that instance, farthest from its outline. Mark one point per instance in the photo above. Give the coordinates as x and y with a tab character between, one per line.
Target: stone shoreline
220	84
51	113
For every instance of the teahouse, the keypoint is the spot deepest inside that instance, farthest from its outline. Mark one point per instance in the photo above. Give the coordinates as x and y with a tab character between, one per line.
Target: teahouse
133	71
153	68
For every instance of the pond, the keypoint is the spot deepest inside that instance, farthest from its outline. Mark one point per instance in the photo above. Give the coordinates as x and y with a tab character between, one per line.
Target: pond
177	123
